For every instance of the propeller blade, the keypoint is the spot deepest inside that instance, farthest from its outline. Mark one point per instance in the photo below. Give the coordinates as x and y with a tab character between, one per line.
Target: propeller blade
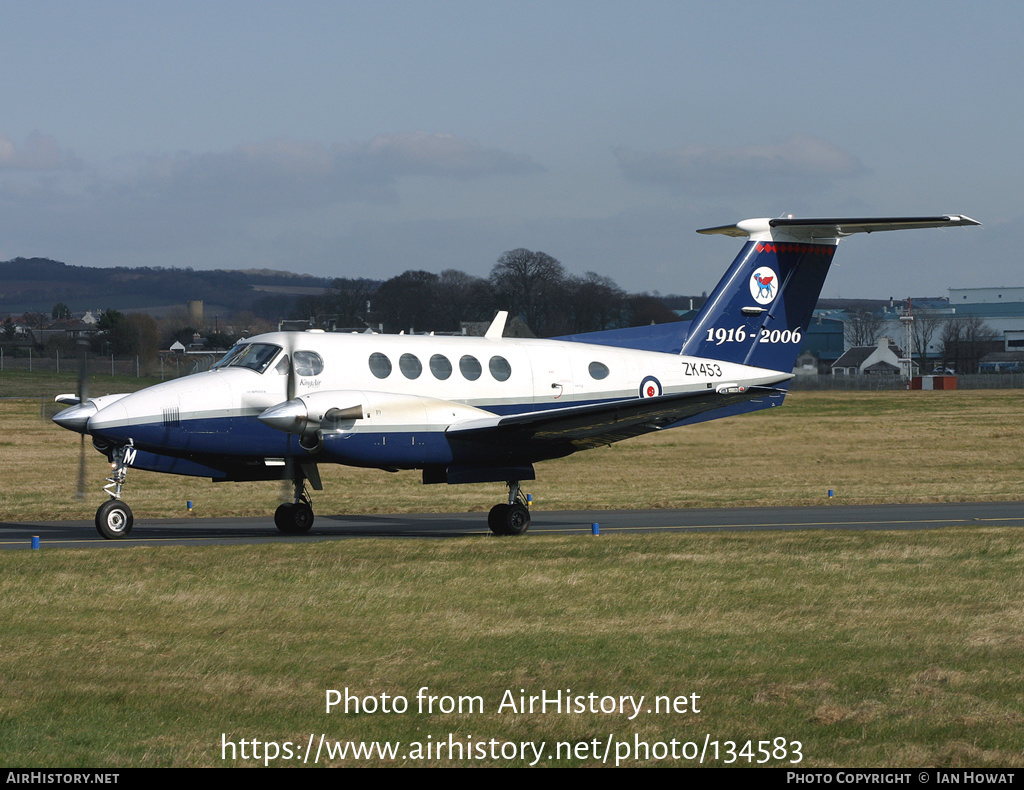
83	398
288	488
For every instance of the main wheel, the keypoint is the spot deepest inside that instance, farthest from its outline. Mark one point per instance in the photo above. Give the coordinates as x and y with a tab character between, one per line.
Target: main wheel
517	520
114	519
294	519
509	519
496	519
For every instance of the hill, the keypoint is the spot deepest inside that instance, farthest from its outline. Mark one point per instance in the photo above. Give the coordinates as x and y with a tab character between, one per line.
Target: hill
37	284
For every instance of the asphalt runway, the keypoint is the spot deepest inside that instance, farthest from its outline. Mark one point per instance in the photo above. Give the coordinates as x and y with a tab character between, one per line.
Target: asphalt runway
207	531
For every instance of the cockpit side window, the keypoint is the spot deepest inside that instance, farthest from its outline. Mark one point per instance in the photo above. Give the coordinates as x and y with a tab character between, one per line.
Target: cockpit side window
308	363
254	356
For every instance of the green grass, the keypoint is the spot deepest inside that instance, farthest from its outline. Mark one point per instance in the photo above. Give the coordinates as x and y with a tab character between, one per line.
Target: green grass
871	649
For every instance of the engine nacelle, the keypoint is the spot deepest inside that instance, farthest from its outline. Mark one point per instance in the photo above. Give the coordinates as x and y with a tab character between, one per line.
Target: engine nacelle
341	410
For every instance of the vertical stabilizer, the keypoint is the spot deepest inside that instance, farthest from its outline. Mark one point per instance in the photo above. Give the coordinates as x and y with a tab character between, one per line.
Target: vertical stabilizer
759	311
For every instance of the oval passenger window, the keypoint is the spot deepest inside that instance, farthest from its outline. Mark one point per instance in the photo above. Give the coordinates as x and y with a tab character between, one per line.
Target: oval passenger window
410	365
470	367
380	365
500	368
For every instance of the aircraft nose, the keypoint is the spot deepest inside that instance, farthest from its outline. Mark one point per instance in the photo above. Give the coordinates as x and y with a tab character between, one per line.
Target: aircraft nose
76	418
109	418
289	416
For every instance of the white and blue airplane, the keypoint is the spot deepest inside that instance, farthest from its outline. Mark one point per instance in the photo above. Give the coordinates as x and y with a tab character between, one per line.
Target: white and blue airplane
474	409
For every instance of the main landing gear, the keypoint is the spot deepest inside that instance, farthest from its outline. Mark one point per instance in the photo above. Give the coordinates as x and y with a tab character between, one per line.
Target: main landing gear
513	518
114	518
295	518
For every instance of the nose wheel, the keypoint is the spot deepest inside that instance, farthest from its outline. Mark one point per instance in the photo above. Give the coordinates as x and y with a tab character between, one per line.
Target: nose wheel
114	519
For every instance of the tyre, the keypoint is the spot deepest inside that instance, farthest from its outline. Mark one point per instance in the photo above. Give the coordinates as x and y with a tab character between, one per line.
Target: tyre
496	519
114	519
294	519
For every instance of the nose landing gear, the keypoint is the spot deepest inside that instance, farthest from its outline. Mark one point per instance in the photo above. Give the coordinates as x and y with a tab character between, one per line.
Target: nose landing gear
114	518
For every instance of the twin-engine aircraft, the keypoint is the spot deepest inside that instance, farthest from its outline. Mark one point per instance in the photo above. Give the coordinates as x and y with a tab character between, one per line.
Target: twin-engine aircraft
474	409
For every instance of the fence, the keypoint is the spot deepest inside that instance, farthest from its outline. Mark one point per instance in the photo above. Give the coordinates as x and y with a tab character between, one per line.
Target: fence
976	381
171	366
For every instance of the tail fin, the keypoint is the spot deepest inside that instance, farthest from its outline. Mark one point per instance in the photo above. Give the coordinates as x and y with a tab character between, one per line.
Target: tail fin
759	311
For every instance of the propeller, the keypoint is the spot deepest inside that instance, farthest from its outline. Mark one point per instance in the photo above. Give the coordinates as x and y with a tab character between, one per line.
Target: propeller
83	398
288	486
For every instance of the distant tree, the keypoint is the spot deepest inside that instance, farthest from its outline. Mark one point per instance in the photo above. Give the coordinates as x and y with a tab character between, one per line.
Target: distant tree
642	309
183	336
109	319
965	340
141	336
463	297
352	299
60	312
925	328
592	303
9	329
862	328
530	285
409	301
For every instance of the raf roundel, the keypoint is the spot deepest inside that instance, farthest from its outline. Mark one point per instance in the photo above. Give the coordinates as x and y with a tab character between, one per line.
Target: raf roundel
764	285
650	387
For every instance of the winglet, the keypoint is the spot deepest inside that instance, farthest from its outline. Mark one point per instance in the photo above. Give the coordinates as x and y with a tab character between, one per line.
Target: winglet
497	327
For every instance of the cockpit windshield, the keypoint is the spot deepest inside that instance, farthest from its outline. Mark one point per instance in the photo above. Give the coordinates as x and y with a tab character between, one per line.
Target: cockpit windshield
255	356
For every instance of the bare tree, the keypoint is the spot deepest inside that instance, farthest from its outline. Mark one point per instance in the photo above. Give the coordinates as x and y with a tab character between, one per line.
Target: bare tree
463	297
926	326
862	328
530	284
409	301
965	340
592	303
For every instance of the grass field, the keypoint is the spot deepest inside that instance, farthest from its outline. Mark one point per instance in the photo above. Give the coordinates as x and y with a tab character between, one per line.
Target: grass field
870	649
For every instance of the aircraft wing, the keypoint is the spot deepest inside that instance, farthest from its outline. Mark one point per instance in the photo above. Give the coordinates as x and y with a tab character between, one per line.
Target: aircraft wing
598	424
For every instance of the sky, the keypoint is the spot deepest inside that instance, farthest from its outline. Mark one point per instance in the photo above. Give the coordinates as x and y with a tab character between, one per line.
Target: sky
363	139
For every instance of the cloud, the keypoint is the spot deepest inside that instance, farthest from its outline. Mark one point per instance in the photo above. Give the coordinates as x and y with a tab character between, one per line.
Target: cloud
40	153
803	163
286	174
440	155
225	205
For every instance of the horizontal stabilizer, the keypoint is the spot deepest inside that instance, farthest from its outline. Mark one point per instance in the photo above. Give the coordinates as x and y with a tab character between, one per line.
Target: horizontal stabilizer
822	229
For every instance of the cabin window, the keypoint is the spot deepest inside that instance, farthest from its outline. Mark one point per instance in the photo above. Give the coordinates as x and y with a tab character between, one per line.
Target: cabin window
308	363
440	366
470	367
598	370
380	365
500	368
410	366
